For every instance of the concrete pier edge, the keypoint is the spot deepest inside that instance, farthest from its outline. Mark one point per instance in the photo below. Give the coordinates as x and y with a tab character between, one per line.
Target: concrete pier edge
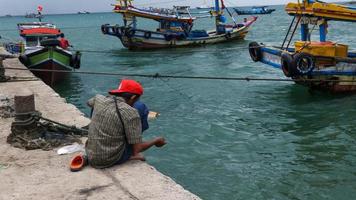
45	175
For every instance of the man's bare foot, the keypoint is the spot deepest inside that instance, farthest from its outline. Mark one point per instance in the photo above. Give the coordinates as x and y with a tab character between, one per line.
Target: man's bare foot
160	142
138	157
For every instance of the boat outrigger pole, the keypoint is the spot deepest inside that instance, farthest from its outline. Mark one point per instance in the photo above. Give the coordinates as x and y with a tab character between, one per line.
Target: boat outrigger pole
217	14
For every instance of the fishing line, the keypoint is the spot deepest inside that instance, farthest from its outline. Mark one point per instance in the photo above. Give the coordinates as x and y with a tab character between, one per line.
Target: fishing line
179	93
157	75
166	82
7	39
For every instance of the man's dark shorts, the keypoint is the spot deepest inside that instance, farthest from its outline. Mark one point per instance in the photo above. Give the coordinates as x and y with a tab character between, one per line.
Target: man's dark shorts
126	155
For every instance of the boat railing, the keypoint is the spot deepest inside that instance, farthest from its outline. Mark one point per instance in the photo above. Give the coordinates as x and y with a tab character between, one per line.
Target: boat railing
120	31
156	12
22	26
162	11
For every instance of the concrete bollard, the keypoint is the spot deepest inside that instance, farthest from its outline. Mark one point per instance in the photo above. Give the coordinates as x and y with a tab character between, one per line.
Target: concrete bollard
24	103
25	130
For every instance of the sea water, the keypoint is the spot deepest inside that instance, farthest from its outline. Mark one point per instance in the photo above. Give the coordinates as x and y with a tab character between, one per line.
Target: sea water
226	139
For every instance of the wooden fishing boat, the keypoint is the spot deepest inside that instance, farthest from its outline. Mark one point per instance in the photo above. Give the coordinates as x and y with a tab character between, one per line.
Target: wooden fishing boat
33	15
204	7
322	65
41	50
84	12
175	27
256	10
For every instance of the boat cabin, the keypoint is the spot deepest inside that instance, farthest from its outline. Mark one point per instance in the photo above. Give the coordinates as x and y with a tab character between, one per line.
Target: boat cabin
34	33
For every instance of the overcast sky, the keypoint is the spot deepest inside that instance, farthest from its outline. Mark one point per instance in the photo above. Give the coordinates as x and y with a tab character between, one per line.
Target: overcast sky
20	7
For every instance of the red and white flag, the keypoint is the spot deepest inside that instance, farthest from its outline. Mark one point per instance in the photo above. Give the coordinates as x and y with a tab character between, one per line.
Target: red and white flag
39	8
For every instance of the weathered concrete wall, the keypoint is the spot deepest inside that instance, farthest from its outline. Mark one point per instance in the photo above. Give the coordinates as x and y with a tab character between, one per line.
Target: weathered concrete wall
45	175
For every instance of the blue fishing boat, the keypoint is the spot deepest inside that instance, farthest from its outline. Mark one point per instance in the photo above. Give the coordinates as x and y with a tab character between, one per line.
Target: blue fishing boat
321	65
175	27
256	10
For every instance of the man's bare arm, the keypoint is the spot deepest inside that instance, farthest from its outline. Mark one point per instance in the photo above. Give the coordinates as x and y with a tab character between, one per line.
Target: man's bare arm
143	146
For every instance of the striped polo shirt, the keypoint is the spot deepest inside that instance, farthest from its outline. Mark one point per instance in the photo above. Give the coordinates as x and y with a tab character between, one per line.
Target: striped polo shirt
106	139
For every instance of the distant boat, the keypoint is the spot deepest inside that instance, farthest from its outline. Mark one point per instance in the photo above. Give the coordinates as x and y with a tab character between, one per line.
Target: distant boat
204	7
8	15
256	10
33	15
84	12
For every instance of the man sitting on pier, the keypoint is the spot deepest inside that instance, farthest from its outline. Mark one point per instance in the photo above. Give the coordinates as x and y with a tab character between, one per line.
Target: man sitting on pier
115	130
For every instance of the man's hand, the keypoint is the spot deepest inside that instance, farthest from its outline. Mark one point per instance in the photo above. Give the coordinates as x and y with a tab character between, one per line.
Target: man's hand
143	146
160	142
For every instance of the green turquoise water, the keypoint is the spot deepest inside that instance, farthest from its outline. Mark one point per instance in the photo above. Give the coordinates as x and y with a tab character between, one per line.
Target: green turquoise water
226	139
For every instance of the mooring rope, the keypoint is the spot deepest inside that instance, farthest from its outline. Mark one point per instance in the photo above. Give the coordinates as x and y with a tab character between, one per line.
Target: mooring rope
157	75
177	50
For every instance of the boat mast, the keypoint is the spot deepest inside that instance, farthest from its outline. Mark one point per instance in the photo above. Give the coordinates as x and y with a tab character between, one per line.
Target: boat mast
217	13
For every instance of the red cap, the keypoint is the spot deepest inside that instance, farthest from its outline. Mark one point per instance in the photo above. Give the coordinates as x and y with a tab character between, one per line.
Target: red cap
128	86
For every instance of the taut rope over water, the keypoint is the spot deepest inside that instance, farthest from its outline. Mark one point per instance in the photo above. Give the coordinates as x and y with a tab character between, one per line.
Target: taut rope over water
157	75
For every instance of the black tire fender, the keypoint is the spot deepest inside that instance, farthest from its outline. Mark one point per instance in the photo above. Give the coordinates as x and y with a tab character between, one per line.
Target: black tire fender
288	65
168	37
304	63
147	35
24	59
228	35
181	36
116	30
104	29
255	51
130	33
75	61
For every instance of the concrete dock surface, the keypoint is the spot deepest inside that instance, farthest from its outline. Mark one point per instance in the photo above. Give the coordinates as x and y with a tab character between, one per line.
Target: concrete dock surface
39	174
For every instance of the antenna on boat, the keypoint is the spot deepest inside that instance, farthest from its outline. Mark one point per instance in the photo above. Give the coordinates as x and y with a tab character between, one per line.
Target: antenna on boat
39	10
